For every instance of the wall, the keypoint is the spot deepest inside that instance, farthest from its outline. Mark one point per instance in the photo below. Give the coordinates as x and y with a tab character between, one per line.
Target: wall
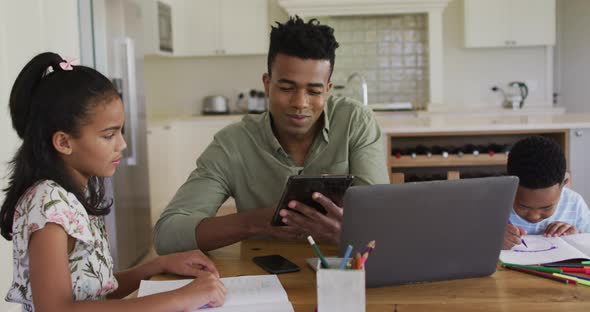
8	139
470	73
390	51
36	21
176	86
572	60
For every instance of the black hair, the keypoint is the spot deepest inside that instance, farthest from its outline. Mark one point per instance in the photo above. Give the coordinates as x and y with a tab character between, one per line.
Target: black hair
46	99
538	162
303	40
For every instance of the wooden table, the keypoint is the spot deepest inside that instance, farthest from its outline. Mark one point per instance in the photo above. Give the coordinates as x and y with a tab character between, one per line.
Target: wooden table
505	290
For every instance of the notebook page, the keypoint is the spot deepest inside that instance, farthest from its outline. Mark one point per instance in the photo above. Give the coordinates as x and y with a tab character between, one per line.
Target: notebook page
580	242
243	290
540	250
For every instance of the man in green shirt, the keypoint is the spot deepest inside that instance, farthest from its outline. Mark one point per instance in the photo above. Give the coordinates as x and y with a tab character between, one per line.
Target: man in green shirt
305	132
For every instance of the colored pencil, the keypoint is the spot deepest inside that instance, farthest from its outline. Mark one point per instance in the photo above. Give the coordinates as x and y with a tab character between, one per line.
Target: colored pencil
577	276
318	252
563	265
368	250
586	262
521	239
357	261
573	278
573	270
346	256
534	267
543	274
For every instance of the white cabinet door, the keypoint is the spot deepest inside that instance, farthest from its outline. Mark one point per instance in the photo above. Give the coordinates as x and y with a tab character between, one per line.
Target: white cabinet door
486	23
173	150
508	23
244	26
201	27
532	22
578	161
159	140
216	27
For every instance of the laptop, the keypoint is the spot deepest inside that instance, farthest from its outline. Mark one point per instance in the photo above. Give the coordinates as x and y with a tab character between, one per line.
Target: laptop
428	231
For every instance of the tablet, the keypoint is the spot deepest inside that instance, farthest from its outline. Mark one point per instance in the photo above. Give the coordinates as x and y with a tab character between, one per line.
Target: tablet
301	187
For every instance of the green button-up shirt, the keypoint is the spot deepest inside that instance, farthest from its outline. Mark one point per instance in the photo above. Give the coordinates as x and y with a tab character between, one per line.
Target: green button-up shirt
247	162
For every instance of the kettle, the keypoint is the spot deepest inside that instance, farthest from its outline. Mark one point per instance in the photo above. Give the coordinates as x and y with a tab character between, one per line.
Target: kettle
215	105
524	91
514	100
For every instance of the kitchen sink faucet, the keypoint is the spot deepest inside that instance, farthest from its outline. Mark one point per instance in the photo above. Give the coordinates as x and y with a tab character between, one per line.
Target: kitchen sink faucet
363	86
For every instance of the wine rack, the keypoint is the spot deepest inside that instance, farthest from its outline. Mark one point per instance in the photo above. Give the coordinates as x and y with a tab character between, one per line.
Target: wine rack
414	157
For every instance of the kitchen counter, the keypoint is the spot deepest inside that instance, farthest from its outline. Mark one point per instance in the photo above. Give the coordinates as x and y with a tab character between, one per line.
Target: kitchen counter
471	123
448	111
411	122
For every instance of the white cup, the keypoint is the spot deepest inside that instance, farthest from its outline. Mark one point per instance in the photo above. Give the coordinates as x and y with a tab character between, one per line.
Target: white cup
340	290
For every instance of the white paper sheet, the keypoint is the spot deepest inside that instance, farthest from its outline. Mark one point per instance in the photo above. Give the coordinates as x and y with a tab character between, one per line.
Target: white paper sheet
548	249
245	293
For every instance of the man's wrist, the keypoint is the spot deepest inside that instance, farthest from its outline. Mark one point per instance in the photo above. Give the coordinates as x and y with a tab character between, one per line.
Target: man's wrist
254	224
157	266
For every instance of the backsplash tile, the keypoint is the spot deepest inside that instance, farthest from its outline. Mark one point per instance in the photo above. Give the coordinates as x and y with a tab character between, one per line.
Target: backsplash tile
390	51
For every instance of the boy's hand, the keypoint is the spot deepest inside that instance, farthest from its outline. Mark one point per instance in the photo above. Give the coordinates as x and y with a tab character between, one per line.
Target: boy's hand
512	236
557	229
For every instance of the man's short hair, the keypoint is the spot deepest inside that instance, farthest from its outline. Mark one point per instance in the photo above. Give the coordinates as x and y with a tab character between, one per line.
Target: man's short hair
303	40
538	162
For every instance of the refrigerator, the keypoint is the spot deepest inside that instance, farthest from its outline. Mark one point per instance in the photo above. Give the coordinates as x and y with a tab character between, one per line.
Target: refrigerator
111	39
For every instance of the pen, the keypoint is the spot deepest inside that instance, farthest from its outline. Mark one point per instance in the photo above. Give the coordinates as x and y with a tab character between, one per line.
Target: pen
318	252
522	239
346	256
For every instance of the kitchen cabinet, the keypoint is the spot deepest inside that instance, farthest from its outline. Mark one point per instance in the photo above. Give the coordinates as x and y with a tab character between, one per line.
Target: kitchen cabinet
509	23
173	149
226	27
160	23
579	165
216	27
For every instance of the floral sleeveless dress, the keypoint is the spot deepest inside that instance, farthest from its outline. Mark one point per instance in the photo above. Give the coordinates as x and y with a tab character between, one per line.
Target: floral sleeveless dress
91	265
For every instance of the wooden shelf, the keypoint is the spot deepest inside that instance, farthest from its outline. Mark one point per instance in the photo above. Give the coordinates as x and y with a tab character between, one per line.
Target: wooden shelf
451	161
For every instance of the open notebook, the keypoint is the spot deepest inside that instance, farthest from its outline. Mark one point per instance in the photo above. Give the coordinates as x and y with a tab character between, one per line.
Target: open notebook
548	249
256	293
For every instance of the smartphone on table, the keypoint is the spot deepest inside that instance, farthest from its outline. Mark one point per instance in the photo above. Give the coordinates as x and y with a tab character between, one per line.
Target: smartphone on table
301	187
275	264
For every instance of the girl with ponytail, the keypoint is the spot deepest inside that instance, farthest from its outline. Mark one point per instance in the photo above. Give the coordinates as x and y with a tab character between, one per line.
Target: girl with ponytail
70	119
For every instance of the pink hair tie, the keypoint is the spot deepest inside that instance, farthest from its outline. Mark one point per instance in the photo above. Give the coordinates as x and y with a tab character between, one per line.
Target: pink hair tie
67	64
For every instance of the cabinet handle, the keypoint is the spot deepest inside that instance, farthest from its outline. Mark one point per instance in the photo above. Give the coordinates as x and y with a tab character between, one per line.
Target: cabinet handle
513	42
579	133
507	42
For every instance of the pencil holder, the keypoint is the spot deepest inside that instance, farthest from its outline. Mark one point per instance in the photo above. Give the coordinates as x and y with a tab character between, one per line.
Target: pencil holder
340	290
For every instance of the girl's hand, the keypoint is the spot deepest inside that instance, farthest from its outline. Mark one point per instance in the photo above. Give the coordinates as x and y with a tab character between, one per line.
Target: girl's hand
188	263
557	229
205	289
